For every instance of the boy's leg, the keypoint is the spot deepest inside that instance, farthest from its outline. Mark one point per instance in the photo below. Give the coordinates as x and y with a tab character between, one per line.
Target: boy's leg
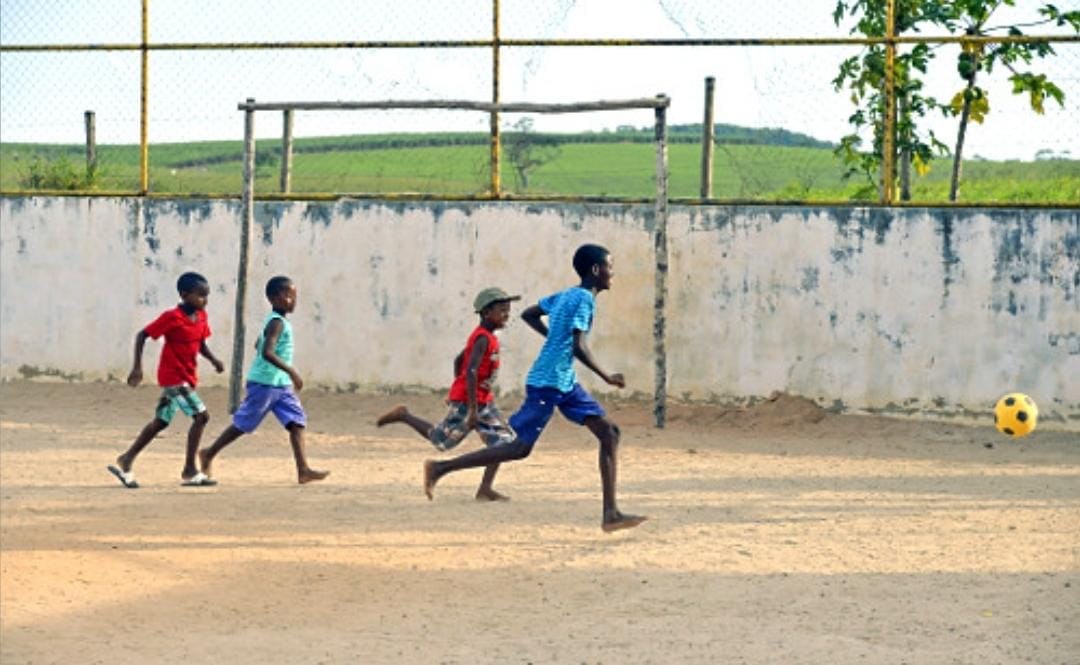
485	492
434	470
607	433
152	429
206	455
256	404
290	413
400	414
495	431
195	432
528	422
163	415
304	473
188	401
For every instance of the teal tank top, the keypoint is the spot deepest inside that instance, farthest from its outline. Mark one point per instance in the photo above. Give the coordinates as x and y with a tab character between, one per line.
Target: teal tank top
261	370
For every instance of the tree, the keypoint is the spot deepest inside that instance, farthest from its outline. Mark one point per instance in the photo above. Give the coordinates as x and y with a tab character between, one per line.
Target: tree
527	151
865	75
972	102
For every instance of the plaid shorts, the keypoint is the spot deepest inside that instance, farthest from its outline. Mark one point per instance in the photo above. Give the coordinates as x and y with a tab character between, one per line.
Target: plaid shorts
182	397
490	425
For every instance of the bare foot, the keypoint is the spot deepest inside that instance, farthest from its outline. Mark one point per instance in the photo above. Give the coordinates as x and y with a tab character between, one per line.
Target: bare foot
395	415
429	479
311	475
124	464
205	460
488	494
619	521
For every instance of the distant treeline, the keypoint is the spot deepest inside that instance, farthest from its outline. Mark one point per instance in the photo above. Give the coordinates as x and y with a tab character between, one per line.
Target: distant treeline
725	134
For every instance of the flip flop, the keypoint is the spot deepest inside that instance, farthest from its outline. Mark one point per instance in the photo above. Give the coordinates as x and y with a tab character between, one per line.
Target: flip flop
200	479
125	477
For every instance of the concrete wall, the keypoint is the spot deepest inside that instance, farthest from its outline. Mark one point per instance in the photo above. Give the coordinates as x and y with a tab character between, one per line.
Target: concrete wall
920	311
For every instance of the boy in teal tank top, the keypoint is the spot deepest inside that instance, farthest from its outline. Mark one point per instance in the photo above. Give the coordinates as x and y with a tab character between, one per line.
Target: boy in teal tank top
272	384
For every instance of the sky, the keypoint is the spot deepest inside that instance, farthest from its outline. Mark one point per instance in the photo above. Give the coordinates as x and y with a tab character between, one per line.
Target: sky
193	95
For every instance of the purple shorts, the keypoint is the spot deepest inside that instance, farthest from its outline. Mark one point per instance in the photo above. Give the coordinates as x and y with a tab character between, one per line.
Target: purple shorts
261	399
531	418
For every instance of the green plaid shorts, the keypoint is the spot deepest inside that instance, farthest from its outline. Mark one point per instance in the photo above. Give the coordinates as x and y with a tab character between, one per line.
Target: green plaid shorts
490	425
183	398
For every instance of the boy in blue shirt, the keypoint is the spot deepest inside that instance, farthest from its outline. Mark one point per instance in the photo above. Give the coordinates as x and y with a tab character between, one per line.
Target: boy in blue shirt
270	385
552	383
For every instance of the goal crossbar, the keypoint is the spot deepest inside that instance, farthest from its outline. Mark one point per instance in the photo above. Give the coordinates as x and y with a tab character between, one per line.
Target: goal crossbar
660	101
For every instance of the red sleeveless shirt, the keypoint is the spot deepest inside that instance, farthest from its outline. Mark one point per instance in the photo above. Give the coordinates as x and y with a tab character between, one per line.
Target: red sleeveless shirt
486	373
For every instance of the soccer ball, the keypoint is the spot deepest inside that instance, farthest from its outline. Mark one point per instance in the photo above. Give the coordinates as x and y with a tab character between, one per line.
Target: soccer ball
1015	414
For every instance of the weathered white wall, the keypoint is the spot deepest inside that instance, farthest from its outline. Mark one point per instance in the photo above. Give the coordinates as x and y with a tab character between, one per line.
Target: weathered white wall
933	312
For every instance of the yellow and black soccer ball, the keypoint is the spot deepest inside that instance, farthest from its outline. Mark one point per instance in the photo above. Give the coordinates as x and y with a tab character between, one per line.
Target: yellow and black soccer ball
1015	414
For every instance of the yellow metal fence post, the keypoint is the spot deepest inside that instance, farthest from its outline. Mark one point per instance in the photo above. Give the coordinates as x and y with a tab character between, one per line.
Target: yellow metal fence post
888	143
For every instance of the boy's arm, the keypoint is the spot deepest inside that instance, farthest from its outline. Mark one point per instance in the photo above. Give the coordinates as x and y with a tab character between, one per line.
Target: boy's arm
205	352
270	338
582	353
471	378
135	376
533	316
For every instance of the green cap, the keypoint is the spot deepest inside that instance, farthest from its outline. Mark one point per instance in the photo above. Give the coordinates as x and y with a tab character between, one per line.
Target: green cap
490	296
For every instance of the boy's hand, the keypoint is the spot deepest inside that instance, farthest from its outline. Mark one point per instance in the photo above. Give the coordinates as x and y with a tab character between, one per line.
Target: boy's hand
218	365
617	379
297	382
470	421
135	378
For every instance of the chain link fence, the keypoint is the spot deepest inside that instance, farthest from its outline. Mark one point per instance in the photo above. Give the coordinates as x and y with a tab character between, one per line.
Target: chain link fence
780	119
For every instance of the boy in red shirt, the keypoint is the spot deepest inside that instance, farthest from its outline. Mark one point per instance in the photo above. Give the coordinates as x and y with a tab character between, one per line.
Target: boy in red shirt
472	404
185	328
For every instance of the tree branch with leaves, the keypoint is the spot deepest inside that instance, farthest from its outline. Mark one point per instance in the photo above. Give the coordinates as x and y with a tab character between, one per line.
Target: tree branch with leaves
864	75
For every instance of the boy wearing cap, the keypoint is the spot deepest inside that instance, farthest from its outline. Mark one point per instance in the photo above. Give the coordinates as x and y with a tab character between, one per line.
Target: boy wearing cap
552	383
471	402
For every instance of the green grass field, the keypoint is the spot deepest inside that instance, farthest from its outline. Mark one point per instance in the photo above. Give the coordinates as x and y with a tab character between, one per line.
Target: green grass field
457	164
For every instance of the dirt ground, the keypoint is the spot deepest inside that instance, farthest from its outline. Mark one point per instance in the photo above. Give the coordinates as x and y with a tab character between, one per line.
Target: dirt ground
778	534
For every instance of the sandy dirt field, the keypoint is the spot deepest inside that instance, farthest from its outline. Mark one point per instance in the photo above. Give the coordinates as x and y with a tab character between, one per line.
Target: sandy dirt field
778	534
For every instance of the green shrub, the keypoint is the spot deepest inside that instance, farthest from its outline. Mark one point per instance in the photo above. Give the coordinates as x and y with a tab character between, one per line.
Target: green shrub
58	173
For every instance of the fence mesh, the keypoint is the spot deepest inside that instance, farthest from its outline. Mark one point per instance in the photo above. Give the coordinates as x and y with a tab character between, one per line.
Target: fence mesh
779	118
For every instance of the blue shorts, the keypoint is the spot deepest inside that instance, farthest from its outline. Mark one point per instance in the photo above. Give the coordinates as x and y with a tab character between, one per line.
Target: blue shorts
261	399
529	420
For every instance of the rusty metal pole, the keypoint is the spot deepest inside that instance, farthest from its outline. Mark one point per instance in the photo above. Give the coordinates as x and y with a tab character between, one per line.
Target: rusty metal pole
286	151
661	251
495	185
707	140
144	104
236	369
91	140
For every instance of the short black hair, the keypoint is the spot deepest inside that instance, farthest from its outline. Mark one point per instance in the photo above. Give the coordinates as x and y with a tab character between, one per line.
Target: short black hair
276	285
190	281
587	256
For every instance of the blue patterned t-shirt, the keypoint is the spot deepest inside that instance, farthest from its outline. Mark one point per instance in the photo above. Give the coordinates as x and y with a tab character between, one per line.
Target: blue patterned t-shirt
567	311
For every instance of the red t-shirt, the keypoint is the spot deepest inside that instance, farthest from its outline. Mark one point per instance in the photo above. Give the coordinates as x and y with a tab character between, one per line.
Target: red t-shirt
183	338
485	374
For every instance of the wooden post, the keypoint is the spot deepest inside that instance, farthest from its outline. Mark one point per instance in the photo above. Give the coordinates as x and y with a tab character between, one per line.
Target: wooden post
236	371
91	140
661	251
707	140
496	184
286	152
